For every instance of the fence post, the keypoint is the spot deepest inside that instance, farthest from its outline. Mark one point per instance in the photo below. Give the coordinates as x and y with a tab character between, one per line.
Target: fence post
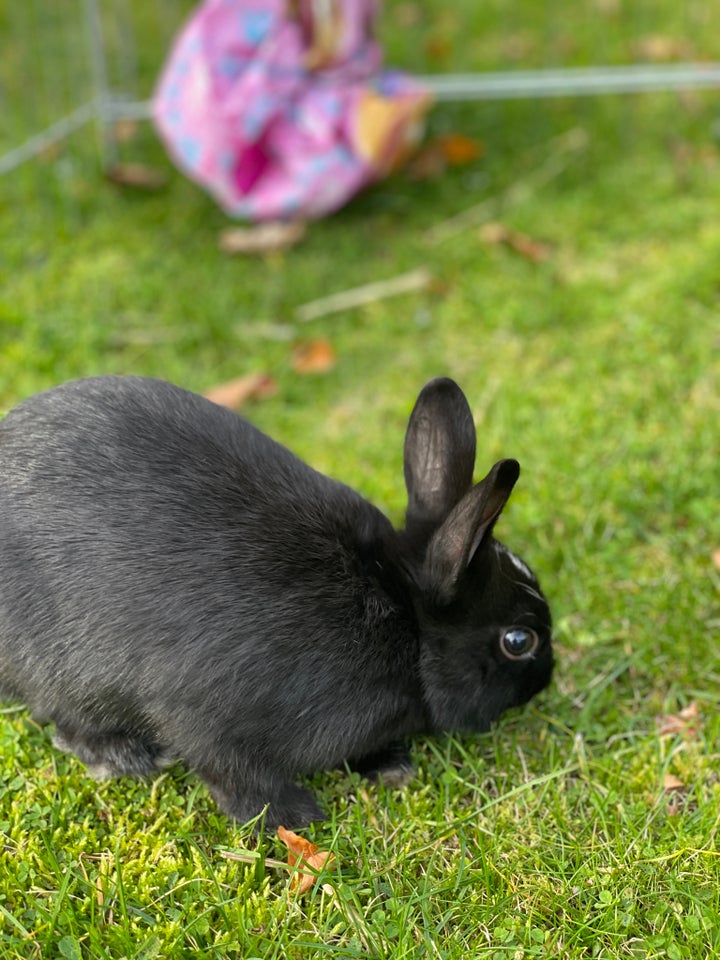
103	97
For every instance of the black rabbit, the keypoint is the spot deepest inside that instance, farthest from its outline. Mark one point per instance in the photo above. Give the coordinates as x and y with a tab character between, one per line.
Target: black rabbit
176	585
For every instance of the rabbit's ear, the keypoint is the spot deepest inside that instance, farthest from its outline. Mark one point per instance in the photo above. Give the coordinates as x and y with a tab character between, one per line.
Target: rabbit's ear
439	452
454	544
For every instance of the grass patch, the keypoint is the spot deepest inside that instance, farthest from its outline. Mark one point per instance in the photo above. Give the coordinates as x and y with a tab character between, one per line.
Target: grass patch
553	835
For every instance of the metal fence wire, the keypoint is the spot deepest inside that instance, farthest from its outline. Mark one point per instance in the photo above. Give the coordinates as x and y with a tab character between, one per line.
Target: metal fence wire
76	65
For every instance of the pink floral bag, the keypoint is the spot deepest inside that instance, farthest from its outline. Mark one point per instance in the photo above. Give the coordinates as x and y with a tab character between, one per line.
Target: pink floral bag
281	108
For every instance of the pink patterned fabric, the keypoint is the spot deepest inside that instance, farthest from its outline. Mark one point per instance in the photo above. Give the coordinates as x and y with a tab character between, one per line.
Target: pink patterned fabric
280	108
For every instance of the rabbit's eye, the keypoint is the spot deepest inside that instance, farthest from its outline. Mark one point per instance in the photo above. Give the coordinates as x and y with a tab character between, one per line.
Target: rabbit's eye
519	643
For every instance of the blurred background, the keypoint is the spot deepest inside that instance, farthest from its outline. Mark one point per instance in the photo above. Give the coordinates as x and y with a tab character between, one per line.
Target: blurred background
545	227
553	245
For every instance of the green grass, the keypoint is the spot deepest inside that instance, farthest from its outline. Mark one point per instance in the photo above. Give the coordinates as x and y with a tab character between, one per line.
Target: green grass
552	836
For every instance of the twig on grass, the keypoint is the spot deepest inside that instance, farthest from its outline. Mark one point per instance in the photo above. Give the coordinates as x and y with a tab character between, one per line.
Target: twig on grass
415	280
250	857
266	238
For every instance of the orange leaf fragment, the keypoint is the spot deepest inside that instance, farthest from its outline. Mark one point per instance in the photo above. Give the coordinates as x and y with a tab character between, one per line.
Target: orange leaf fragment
531	249
716	559
450	150
314	356
460	150
521	243
690	712
251	386
686	722
305	853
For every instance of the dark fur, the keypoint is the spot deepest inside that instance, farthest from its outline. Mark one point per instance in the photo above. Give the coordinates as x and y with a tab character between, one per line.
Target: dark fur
175	584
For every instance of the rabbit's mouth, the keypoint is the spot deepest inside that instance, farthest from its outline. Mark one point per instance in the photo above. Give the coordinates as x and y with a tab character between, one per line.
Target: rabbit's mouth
476	712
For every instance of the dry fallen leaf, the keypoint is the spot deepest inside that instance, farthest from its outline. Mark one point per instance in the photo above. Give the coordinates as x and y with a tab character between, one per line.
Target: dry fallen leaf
136	175
676	792
716	559
521	243
262	237
686	722
303	852
251	386
313	356
449	150
531	249
459	150
672	783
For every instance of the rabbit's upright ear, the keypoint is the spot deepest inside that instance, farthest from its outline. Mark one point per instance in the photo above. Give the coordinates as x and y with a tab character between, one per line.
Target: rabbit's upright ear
439	453
455	543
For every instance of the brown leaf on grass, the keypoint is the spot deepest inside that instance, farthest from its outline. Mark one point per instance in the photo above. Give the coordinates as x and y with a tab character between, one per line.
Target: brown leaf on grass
262	237
460	150
685	723
672	783
313	356
520	243
716	559
676	792
251	386
139	176
448	150
304	853
531	249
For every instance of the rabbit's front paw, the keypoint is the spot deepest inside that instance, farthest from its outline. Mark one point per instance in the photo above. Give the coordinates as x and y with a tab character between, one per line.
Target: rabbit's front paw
391	766
283	803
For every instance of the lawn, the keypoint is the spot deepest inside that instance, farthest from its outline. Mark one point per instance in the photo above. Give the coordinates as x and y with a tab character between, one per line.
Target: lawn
586	335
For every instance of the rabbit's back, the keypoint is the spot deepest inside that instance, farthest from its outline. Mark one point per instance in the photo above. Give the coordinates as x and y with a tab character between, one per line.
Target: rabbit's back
161	558
114	434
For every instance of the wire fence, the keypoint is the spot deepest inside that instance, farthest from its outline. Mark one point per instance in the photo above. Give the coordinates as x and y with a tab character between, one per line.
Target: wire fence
75	65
